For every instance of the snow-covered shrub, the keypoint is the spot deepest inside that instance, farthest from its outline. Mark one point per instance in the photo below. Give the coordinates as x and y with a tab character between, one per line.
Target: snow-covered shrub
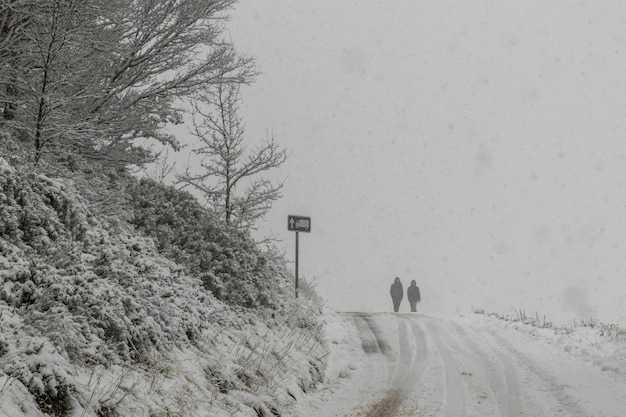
225	259
91	292
4	346
98	292
129	313
48	384
34	362
11	149
37	214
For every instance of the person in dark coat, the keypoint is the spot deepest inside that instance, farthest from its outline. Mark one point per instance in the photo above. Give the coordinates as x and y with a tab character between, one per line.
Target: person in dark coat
397	292
413	294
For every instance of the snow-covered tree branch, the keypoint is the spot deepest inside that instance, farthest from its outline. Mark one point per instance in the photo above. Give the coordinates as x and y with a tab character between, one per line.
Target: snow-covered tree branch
91	77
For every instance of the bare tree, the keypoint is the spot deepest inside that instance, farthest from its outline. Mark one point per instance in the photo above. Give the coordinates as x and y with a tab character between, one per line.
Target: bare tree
229	175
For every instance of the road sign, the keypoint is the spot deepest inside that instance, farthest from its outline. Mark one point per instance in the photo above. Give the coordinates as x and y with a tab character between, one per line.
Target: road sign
298	223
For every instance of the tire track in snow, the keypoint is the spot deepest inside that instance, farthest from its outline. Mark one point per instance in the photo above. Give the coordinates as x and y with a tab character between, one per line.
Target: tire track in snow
370	342
373	343
504	384
421	351
383	347
397	393
566	402
453	400
410	362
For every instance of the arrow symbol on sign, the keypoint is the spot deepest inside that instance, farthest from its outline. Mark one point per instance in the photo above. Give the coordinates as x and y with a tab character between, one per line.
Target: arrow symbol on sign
291	221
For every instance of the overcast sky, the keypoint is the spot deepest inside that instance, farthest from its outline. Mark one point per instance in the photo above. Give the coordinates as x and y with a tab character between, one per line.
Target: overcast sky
474	146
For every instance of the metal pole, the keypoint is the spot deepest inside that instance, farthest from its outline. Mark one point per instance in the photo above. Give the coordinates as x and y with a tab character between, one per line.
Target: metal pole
297	264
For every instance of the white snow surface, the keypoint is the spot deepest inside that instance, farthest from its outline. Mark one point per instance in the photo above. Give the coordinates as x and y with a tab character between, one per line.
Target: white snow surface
473	365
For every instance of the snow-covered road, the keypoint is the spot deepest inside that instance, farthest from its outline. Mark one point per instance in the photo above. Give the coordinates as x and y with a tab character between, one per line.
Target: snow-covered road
405	365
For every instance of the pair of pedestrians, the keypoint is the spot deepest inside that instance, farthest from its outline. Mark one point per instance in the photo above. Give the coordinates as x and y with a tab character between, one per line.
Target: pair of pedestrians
397	293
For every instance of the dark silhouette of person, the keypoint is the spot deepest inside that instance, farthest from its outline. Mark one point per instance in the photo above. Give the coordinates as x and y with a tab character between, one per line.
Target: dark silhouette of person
413	294
397	292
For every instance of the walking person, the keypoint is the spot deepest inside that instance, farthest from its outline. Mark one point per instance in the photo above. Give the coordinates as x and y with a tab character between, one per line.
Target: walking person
413	294
397	292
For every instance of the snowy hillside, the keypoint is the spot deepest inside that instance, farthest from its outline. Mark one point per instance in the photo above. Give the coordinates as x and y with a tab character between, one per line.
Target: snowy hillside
118	306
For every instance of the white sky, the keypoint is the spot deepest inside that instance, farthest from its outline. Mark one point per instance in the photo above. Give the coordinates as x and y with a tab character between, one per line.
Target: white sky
474	146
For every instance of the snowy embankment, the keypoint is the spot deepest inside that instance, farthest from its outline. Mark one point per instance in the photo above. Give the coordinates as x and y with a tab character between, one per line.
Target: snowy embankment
601	344
96	322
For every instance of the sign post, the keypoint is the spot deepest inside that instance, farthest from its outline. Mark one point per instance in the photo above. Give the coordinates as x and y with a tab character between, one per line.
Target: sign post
298	224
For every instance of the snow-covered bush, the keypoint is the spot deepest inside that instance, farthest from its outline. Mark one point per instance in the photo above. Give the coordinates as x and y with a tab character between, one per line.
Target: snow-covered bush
11	149
99	297
225	259
34	362
81	291
38	215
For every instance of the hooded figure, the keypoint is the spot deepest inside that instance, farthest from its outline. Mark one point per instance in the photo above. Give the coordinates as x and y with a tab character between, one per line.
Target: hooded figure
397	292
413	294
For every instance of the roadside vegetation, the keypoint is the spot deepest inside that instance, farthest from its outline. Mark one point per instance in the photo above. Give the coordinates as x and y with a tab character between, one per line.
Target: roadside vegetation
103	313
519	316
